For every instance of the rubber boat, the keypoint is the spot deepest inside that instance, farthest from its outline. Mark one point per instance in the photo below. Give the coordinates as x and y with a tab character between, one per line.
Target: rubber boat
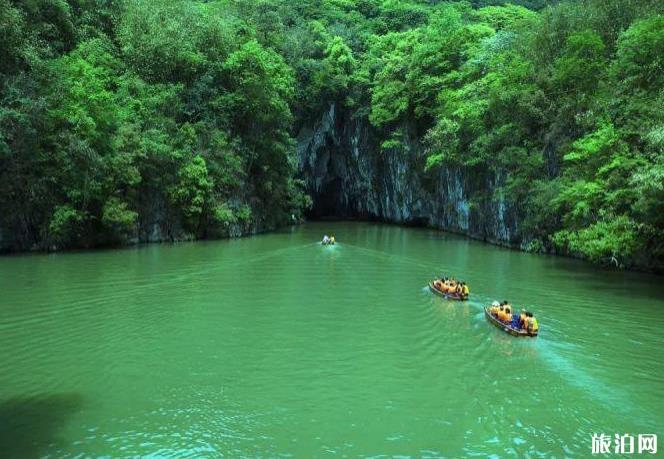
449	296
507	328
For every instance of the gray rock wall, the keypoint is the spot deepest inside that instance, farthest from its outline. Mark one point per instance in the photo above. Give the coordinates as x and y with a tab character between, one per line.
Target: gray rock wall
348	176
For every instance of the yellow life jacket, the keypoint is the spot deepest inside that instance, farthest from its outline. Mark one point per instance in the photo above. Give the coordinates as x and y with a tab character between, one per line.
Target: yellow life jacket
466	290
534	324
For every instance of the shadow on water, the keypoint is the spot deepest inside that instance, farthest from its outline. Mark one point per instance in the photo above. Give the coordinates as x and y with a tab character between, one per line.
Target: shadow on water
30	425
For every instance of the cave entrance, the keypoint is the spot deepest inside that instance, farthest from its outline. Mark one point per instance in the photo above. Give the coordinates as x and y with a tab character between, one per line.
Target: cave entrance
327	202
419	222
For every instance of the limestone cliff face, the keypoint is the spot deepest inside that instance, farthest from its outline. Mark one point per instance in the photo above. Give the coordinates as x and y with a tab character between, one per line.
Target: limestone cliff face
158	223
348	176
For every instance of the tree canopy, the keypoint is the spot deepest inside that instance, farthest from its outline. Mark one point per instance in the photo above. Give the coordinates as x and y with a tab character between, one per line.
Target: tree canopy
109	108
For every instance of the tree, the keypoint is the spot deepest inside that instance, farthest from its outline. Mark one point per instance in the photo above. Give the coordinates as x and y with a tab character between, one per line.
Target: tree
333	78
191	192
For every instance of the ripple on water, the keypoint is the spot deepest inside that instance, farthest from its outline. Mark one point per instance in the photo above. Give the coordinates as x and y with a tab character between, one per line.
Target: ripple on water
276	346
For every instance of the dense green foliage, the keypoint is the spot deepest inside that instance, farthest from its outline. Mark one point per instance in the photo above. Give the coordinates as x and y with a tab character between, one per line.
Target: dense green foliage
107	106
111	108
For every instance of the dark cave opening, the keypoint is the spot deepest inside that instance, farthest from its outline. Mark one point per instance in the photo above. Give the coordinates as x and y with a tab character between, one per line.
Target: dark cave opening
327	202
332	202
418	222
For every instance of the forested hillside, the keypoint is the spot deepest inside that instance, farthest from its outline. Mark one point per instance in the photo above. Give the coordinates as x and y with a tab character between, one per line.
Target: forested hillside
125	120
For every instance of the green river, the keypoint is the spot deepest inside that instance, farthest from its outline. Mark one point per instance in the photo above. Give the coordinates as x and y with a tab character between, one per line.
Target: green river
275	346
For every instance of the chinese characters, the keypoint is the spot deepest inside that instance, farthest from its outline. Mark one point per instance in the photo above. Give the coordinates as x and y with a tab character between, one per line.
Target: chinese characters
624	444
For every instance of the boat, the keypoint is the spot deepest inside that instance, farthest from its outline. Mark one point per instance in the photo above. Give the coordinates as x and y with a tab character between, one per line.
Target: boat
506	327
448	296
328	240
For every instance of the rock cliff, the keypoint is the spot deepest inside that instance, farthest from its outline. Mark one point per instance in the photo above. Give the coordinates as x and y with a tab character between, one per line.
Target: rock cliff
348	176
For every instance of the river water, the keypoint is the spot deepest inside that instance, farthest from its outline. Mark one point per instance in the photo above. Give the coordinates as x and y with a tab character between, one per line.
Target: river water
274	346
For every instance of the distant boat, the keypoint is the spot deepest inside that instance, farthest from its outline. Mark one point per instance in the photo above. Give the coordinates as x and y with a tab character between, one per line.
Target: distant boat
449	296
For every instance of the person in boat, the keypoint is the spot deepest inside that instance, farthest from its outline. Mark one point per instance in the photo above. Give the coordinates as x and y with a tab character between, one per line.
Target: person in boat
501	313
506	315
531	323
495	307
499	307
443	284
326	240
332	241
522	319
466	289
534	325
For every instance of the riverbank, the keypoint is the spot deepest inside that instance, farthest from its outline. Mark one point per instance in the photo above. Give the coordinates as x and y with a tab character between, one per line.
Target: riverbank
257	229
536	249
156	232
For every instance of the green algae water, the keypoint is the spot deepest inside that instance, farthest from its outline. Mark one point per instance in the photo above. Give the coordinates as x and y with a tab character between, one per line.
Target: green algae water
275	346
